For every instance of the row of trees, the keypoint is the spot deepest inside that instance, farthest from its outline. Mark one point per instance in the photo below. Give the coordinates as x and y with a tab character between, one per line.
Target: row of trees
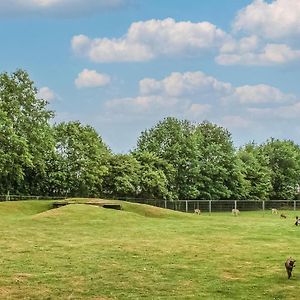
175	159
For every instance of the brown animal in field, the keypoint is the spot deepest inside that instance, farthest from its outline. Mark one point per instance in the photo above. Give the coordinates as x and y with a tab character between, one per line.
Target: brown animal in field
283	216
197	211
274	211
289	265
235	211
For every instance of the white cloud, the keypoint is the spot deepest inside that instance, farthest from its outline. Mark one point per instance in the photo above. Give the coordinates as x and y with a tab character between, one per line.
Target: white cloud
189	84
270	54
149	39
196	111
274	20
90	78
57	7
187	94
274	29
260	94
195	95
288	112
46	93
244	45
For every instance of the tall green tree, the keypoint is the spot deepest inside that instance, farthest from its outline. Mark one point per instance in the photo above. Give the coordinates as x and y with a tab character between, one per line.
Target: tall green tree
173	141
80	161
219	176
25	137
256	172
122	179
155	176
284	163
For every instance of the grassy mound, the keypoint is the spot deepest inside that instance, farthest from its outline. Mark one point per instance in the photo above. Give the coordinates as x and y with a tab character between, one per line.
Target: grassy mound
140	209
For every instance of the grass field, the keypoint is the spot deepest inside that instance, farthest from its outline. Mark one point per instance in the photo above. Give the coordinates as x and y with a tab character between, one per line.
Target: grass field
143	252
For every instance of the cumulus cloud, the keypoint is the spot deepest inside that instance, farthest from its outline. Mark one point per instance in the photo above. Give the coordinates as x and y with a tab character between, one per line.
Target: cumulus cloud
270	54
90	78
46	93
273	28
260	94
195	95
146	40
190	94
186	84
272	20
288	112
57	7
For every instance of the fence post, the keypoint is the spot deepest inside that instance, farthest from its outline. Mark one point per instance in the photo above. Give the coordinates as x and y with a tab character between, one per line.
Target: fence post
209	206
186	206
295	205
235	204
165	203
263	206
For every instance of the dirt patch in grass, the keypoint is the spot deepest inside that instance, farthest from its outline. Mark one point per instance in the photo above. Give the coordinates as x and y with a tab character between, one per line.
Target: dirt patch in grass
21	277
4	292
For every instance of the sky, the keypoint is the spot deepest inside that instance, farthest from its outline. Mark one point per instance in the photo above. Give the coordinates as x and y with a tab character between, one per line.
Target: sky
123	65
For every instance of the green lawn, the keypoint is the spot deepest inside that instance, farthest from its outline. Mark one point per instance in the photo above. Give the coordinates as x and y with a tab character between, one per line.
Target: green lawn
142	252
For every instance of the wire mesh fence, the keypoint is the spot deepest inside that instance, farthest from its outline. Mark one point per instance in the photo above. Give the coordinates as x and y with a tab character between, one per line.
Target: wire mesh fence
211	206
189	206
9	197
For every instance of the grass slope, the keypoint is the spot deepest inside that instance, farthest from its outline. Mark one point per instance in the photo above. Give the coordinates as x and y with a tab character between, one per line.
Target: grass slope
142	252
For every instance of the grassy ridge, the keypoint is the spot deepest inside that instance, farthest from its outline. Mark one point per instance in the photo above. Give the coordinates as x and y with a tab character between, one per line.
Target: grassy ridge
142	252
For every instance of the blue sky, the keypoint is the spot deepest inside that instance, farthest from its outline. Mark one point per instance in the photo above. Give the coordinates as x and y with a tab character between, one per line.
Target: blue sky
123	65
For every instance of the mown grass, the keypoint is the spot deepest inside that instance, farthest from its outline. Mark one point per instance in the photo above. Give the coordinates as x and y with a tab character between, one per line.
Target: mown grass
85	252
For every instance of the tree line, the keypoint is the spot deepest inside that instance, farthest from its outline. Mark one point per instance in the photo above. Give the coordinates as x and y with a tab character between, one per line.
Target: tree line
175	159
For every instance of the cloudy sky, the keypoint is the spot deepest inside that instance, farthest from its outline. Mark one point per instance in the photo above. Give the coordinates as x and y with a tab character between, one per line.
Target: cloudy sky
123	65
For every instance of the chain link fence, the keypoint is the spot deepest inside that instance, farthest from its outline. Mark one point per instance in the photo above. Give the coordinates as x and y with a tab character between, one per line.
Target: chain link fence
211	206
189	206
9	197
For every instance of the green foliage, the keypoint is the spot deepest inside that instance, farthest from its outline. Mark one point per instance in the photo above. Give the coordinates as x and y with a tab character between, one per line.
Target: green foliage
122	179
173	141
202	156
218	168
155	176
256	172
80	161
284	163
25	136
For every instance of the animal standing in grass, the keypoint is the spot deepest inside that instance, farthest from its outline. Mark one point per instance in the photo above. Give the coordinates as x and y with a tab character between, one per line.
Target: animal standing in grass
235	211
197	211
289	265
283	216
274	211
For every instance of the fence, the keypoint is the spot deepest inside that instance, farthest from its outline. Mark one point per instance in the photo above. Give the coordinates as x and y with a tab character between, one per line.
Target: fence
190	205
221	205
22	197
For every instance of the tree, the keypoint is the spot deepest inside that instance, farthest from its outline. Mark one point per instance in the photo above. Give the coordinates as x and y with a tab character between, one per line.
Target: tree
155	176
173	141
80	161
25	134
284	163
219	176
122	179
255	171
